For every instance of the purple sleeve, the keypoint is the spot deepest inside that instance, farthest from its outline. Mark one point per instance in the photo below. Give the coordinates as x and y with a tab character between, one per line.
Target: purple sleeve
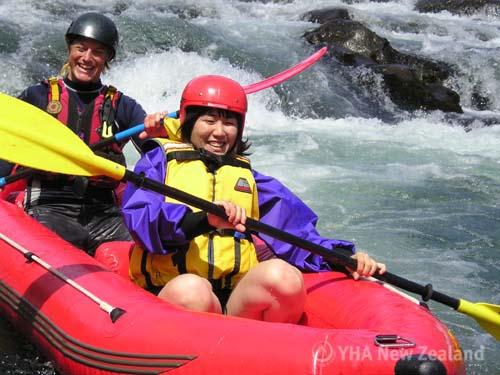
280	208
152	222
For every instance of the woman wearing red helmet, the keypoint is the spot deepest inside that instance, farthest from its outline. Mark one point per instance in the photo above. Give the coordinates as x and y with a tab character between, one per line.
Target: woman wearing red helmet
200	261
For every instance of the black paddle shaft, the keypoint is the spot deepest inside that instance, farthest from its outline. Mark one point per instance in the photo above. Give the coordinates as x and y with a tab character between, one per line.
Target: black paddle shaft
425	291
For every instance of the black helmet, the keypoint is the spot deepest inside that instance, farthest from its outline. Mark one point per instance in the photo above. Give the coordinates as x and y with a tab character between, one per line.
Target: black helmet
94	26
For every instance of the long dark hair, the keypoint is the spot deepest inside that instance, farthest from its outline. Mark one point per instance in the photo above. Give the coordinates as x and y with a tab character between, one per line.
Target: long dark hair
194	112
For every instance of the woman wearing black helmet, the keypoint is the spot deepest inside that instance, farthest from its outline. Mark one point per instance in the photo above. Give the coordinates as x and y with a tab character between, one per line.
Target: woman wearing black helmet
97	27
83	211
93	33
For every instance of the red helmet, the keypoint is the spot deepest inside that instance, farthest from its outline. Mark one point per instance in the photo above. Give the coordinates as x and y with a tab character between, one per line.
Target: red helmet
216	92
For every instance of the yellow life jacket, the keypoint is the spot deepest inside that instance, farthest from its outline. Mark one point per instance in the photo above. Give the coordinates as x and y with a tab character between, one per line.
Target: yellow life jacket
172	126
224	256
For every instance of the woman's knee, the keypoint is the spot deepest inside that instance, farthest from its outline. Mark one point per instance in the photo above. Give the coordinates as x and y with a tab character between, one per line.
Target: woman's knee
191	292
273	291
282	278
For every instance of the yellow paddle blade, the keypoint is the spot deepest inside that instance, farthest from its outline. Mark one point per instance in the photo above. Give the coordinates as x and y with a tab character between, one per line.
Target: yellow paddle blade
33	138
486	314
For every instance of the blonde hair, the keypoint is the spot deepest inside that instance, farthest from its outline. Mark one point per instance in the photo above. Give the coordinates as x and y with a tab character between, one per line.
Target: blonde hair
63	73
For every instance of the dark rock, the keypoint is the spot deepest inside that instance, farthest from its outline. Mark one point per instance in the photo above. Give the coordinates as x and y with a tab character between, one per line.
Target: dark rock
413	82
120	7
350	35
186	12
480	101
363	47
322	16
466	7
410	92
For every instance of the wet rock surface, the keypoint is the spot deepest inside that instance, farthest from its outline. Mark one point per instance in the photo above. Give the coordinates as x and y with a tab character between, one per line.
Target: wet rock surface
463	7
412	82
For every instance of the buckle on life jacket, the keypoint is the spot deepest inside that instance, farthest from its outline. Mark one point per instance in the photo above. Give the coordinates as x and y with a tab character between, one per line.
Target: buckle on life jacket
106	130
231	233
108	114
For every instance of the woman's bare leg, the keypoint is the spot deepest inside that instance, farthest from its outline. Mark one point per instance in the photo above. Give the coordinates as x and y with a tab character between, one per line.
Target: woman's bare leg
272	291
191	292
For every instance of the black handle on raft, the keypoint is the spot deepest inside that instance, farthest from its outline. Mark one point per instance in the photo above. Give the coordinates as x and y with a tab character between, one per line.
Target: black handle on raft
260	227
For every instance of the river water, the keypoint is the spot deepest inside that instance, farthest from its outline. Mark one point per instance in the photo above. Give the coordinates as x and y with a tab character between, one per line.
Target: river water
416	190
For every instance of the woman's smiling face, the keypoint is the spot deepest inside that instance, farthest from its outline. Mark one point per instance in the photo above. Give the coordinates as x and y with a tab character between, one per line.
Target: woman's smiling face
216	132
87	59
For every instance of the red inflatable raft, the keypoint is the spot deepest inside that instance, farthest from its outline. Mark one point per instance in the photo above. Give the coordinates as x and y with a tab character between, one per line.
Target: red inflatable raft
88	319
